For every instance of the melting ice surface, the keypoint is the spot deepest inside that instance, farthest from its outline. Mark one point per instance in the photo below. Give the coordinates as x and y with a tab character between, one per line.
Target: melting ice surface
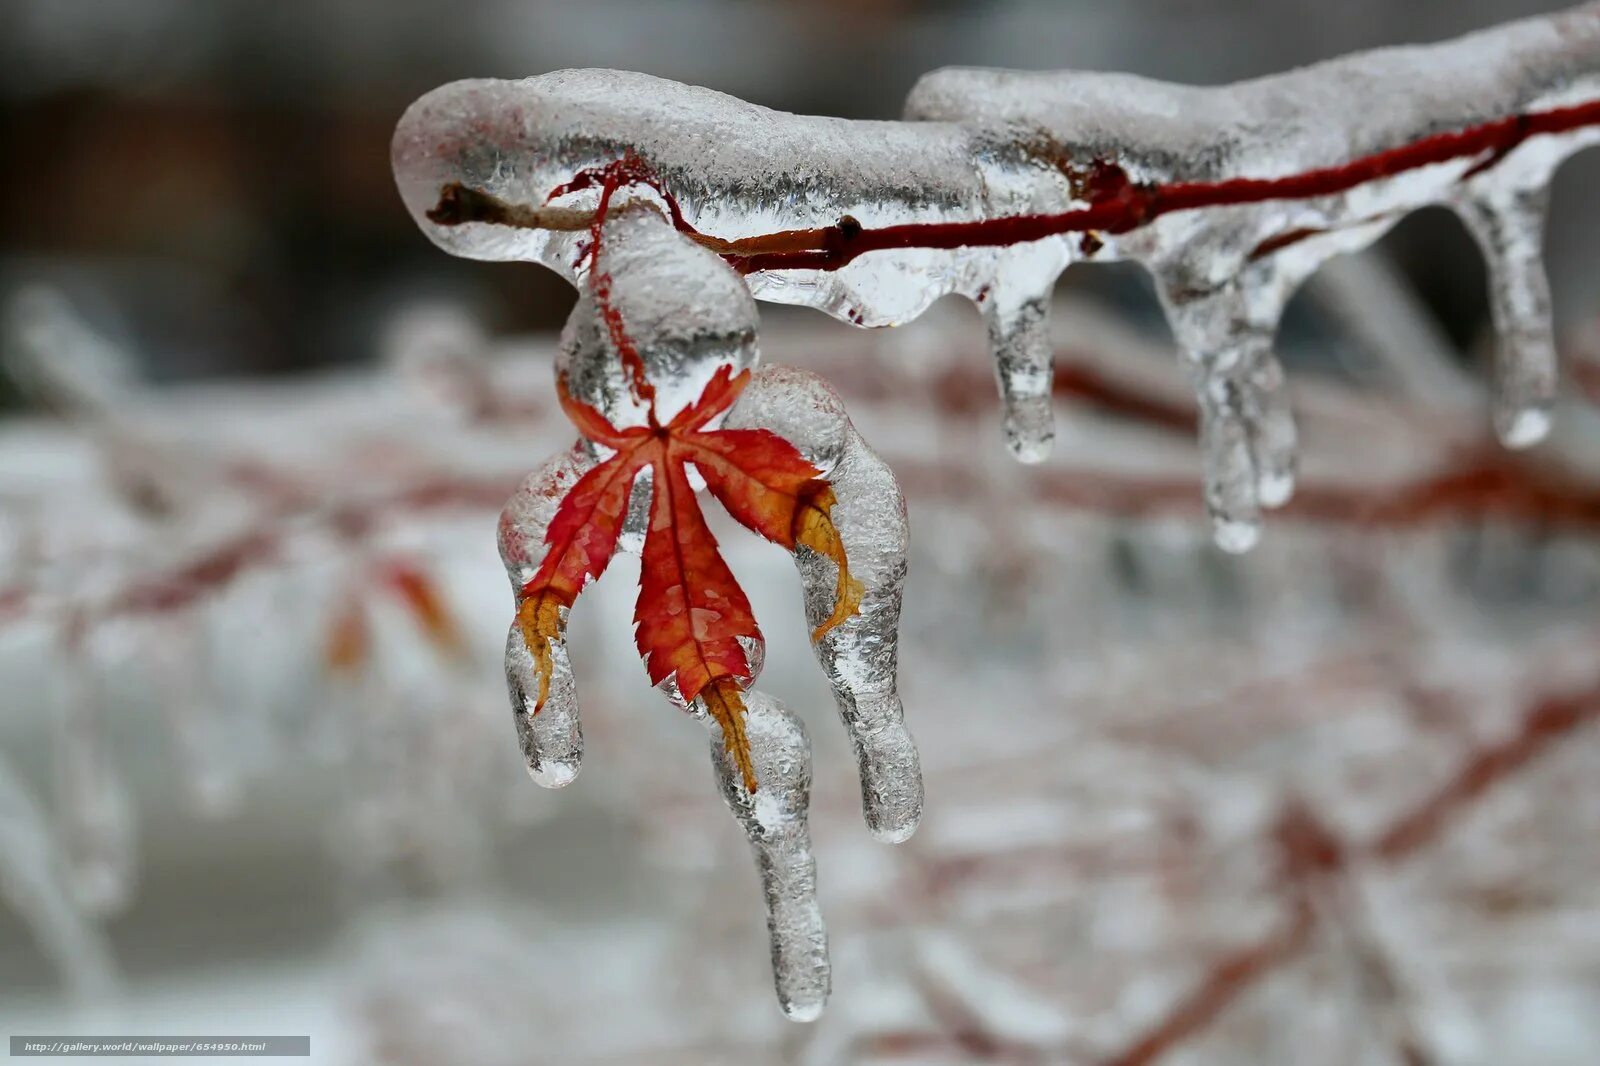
977	144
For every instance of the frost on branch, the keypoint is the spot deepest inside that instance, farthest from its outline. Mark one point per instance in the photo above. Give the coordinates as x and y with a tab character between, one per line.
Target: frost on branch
1231	197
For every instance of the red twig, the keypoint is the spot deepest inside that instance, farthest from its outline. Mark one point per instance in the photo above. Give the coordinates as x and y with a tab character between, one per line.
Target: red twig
629	170
958	392
1228	979
1477	487
1548	720
1127	205
219	566
183	585
1116	203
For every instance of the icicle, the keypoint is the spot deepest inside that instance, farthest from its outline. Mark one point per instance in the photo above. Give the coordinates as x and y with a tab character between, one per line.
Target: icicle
35	879
519	140
95	817
1247	433
552	739
1509	227
1274	441
774	819
859	656
686	313
1019	335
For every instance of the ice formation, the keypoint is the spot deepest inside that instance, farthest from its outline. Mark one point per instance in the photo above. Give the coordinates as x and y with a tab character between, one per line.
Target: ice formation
873	221
689	316
670	206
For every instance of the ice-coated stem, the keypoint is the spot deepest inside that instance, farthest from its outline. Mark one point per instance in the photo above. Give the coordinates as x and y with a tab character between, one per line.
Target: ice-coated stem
774	819
1024	364
552	738
94	810
1229	478
1508	224
860	655
1248	440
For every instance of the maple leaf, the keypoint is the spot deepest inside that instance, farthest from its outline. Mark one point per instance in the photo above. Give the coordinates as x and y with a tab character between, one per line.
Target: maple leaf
691	612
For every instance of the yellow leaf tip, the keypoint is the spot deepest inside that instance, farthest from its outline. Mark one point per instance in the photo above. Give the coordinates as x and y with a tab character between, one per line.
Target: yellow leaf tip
725	703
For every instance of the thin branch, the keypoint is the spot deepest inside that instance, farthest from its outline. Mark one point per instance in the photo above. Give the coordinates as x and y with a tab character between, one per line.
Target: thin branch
1225	982
218	567
1549	720
1118	204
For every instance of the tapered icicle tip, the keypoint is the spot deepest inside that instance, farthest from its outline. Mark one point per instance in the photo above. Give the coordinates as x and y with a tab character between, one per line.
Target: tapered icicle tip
1275	440
806	1010
1234	535
1019	337
773	818
1275	488
554	773
1523	427
1231	481
891	772
551	736
895	830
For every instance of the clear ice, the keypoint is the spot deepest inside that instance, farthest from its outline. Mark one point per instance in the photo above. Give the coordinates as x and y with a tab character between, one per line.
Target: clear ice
986	144
689	314
975	145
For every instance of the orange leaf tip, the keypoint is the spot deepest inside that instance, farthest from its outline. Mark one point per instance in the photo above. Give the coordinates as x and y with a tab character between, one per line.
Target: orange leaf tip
539	618
724	701
814	528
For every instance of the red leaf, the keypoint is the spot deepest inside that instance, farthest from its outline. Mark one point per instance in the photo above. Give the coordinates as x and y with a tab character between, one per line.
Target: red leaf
718	395
690	607
767	485
691	611
581	538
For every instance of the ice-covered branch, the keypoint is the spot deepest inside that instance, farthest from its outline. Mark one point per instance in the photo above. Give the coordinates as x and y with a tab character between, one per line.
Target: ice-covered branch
1231	196
671	205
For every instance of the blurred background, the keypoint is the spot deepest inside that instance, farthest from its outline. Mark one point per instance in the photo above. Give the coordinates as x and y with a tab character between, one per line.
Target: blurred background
1330	802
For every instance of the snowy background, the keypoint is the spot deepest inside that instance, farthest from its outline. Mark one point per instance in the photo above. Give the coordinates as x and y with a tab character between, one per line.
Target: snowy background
1329	802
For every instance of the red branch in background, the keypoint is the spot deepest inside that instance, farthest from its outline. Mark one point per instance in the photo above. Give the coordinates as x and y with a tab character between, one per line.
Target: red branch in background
1310	856
1474	486
1549	720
